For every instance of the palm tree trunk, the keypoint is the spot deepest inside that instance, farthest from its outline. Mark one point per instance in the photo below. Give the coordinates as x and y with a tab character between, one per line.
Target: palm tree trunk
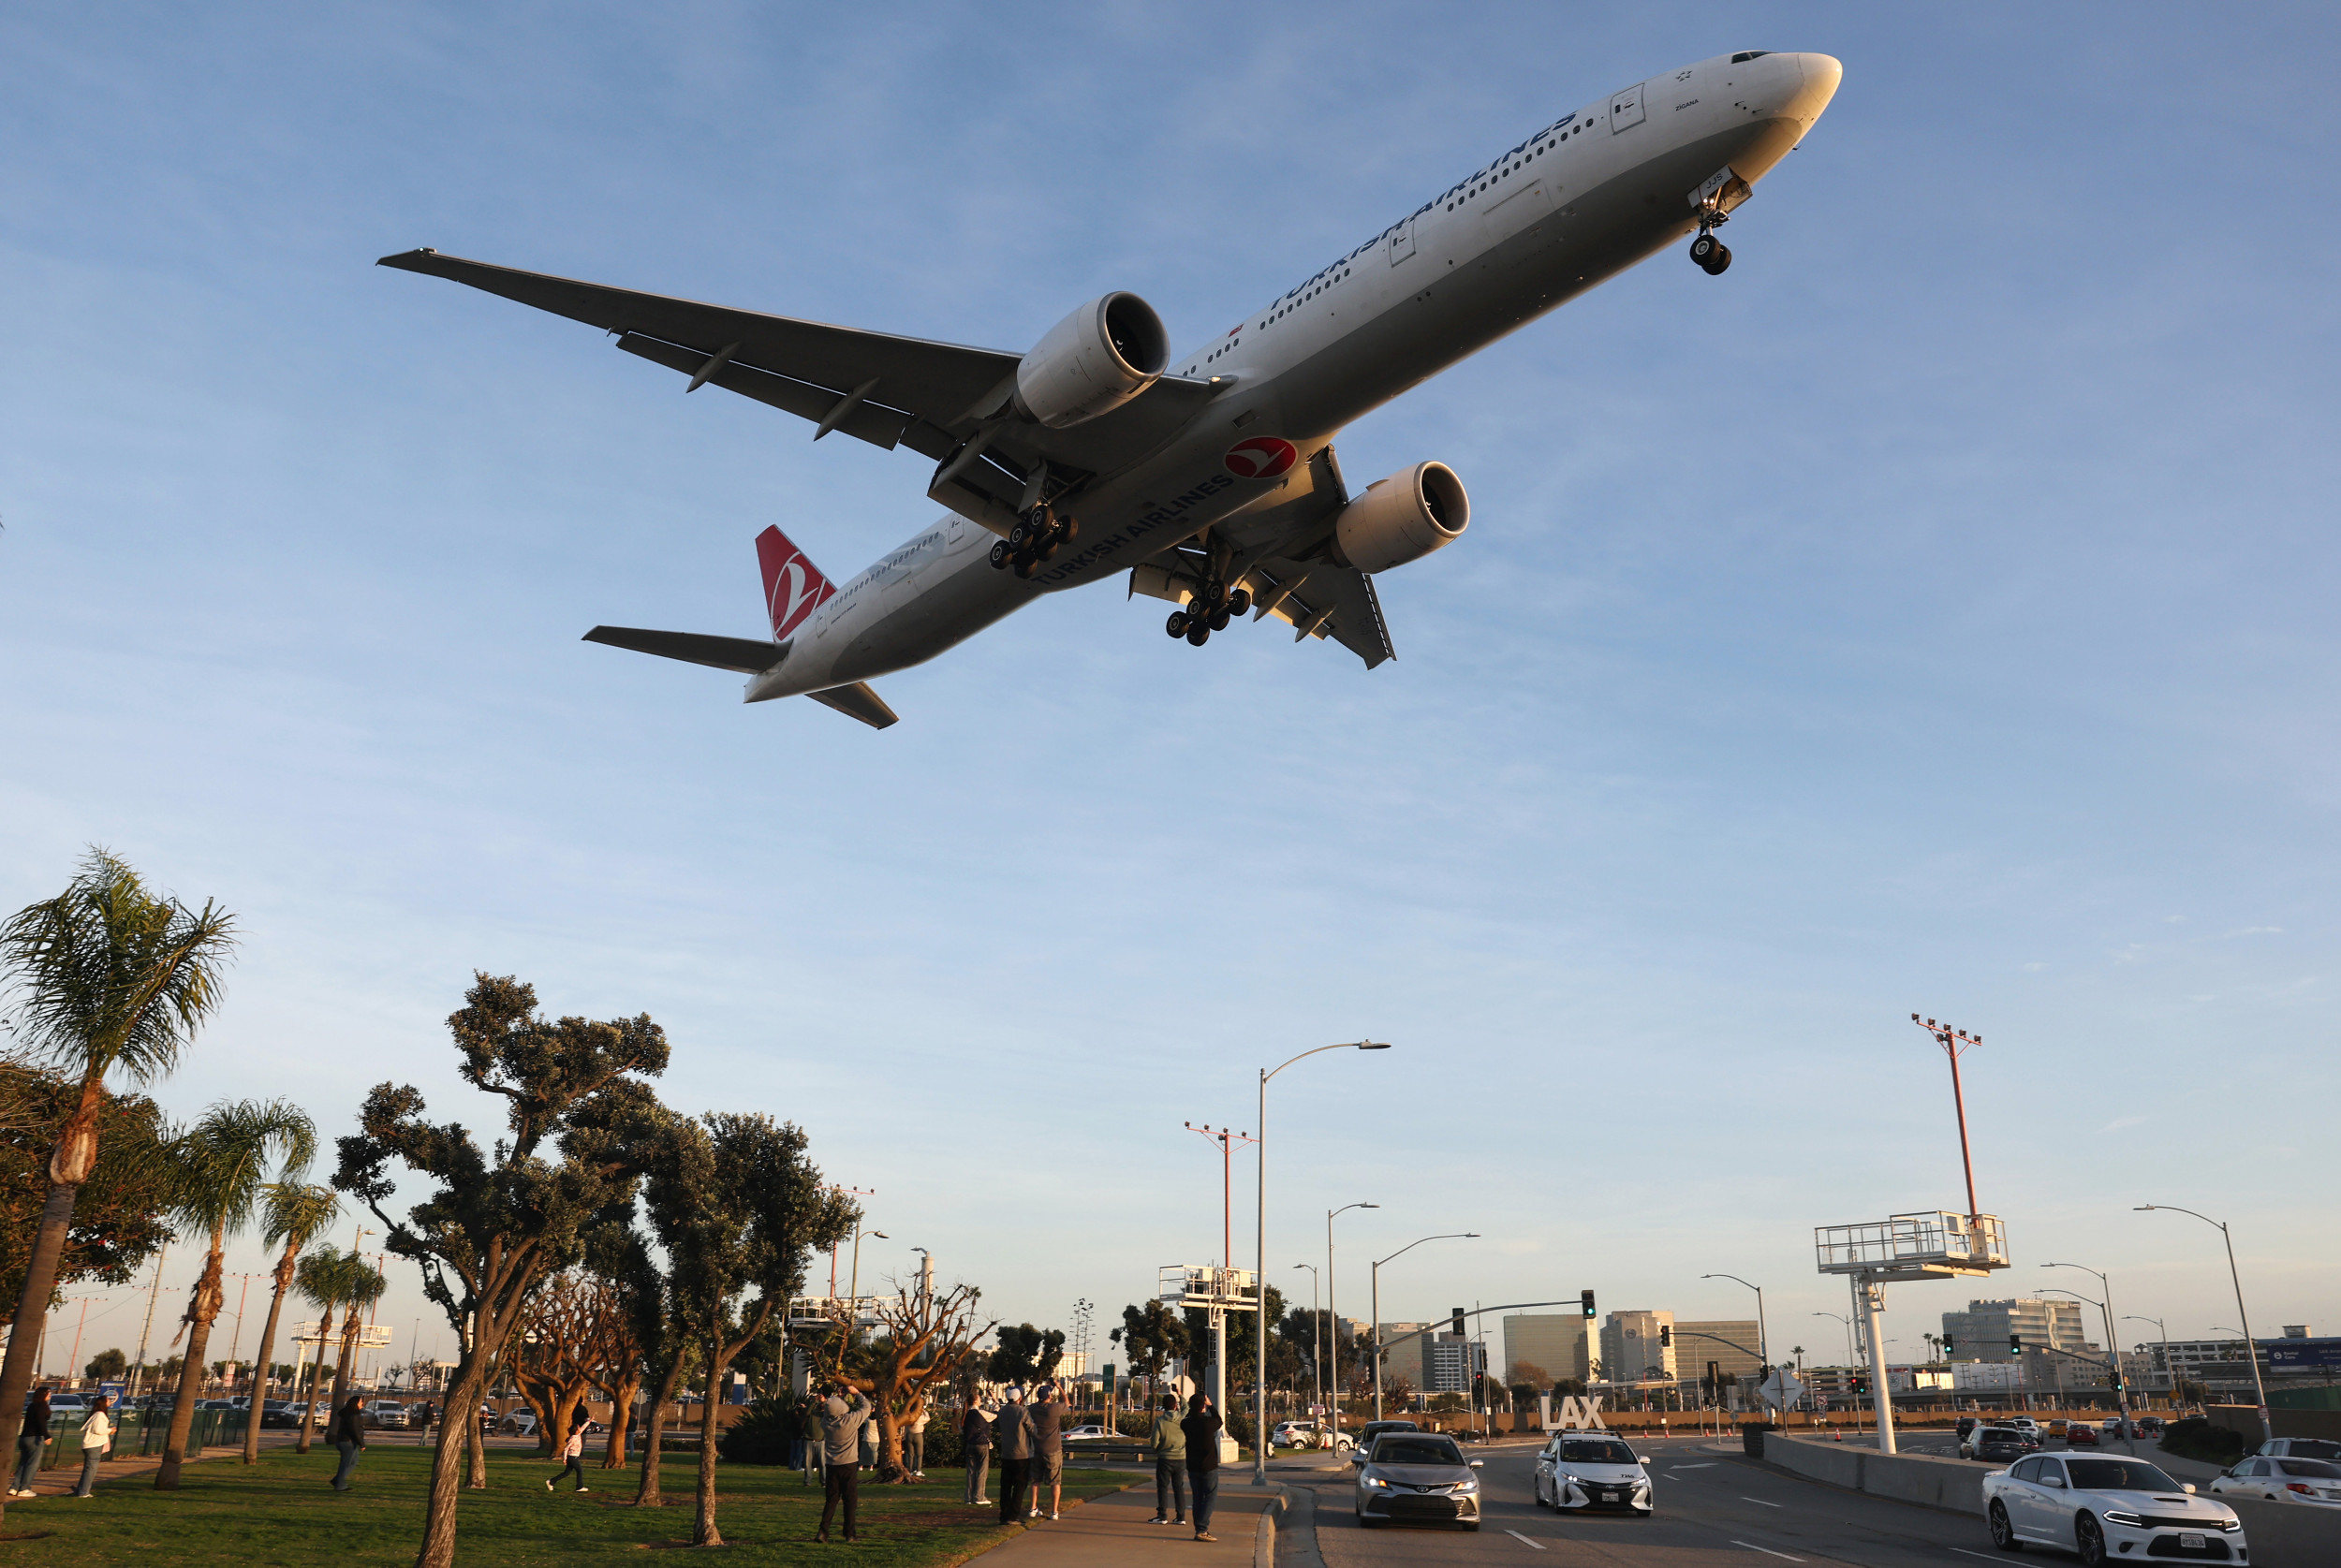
653	1433
69	1161
316	1375
342	1371
268	1348
202	1311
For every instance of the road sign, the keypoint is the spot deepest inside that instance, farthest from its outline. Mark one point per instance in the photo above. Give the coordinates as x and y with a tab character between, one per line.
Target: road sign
1781	1390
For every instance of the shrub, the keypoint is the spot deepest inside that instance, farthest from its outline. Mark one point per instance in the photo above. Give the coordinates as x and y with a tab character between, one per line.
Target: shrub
761	1435
2196	1438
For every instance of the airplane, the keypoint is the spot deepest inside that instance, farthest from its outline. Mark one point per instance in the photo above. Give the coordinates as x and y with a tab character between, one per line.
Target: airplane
1206	480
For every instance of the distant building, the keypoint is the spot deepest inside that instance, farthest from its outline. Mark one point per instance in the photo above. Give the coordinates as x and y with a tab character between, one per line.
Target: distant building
1448	1364
1405	1359
1982	1333
1729	1343
1556	1342
1632	1350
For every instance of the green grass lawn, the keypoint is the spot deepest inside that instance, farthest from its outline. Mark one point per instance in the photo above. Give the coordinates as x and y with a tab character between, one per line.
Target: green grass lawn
282	1512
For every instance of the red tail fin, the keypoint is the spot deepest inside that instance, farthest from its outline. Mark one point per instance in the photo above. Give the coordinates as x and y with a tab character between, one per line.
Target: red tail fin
794	587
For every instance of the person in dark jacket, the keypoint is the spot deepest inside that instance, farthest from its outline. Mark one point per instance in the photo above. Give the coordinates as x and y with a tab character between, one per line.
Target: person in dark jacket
975	1444
1047	1415
1168	1443
30	1438
1011	1444
346	1431
1201	1428
842	1476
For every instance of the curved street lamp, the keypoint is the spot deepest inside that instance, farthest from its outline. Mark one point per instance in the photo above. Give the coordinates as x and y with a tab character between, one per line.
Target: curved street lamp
2251	1346
1333	1321
1260	1260
1763	1344
2113	1348
1450	1236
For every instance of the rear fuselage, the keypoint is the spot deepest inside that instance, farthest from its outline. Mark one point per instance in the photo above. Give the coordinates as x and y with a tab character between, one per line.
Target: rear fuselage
1586	198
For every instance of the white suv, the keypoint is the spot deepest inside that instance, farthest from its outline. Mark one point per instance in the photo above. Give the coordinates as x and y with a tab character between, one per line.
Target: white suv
2105	1507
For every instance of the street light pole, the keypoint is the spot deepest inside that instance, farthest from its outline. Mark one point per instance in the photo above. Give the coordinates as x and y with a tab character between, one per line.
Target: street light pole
1259	1259
1333	1321
1317	1341
2113	1346
1450	1236
2251	1346
1763	1343
2164	1341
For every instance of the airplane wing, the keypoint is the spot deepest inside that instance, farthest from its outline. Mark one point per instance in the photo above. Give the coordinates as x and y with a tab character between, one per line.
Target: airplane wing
747	655
1331	601
878	387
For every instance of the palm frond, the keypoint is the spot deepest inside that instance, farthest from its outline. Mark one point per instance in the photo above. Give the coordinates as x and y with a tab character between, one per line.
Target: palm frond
294	1212
226	1152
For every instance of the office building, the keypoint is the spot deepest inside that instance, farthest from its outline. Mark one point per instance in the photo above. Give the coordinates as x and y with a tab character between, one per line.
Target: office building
1405	1356
1731	1343
1632	1350
1553	1343
1448	1363
1982	1332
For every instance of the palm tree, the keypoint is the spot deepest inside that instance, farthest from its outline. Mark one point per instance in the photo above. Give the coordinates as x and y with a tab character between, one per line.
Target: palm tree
109	978
292	1214
363	1286
224	1157
322	1278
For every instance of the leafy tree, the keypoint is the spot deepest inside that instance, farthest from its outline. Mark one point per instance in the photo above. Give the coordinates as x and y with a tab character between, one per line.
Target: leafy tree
107	1366
109	978
1155	1337
579	1122
1024	1354
921	1344
121	1216
737	1208
632	1328
293	1214
223	1158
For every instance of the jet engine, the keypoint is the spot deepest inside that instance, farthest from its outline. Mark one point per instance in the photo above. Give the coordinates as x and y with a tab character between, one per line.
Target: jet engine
1093	362
1402	518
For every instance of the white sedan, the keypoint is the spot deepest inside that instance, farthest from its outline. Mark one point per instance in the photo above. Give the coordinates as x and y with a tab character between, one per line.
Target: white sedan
2316	1482
2106	1508
1582	1471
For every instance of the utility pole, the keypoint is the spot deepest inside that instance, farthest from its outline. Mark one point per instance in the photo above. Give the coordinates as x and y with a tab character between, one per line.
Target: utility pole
854	1191
1227	1140
153	1297
1954	1042
73	1372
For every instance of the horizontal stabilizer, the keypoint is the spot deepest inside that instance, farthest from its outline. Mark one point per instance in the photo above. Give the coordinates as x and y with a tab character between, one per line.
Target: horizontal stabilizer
748	655
857	701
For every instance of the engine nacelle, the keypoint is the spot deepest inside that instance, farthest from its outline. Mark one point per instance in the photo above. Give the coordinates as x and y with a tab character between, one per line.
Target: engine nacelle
1093	362
1402	518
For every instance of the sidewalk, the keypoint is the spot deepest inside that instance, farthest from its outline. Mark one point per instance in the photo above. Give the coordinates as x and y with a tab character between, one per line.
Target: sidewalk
1113	1529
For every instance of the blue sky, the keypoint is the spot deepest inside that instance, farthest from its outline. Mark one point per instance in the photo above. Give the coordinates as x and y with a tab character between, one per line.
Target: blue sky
1933	613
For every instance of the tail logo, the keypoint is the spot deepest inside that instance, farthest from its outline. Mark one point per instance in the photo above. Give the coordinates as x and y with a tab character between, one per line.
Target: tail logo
794	588
1263	456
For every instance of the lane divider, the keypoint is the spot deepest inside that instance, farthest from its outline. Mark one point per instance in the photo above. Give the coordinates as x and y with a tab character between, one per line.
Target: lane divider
1518	1536
1744	1498
1766	1550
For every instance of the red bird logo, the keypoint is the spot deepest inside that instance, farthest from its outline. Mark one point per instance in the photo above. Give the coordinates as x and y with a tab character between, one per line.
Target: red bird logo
1263	456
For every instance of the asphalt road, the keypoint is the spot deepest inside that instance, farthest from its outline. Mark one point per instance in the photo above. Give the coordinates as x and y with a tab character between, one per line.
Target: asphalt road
1716	1506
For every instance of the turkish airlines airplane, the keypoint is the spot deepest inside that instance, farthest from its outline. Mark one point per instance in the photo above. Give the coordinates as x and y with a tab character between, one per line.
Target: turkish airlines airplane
1207	480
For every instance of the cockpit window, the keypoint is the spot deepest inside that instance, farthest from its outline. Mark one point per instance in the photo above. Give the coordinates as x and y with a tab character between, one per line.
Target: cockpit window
1747	55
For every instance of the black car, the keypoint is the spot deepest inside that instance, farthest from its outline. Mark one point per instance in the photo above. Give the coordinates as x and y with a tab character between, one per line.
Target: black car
1966	1425
280	1413
2000	1444
1372	1429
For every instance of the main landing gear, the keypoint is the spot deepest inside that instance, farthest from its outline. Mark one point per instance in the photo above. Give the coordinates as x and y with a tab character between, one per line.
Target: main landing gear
1712	255
1034	538
1210	610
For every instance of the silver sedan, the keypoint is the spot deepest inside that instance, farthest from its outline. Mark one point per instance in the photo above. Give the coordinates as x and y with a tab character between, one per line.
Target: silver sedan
1416	1478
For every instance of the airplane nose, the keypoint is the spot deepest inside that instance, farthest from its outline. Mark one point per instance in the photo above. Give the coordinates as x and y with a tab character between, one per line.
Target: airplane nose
1819	74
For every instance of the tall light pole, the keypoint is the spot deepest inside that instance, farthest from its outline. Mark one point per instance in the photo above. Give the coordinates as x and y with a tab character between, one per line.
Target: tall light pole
1763	1344
853	1284
1316	1340
1259	1261
1376	1309
2251	1346
2165	1342
2114	1345
1953	1042
1333	1321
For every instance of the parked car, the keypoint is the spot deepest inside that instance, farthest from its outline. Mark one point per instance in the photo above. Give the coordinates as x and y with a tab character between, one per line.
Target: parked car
1416	1477
280	1413
1583	1471
1998	1445
60	1404
387	1415
2106	1507
2297	1448
521	1423
1091	1433
2316	1482
2080	1434
2150	1426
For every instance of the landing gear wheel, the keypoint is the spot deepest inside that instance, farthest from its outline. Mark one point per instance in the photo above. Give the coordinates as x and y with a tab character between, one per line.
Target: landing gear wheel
1703	249
1021	533
1000	554
1239	603
1721	259
1176	625
1025	564
1198	632
1047	551
1220	619
2003	1534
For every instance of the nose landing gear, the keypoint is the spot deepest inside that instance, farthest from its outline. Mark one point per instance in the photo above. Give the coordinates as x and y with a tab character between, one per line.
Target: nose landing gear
1035	538
1210	610
1710	254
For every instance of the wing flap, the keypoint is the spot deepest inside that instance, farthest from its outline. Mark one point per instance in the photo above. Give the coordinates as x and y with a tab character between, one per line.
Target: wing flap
857	701
746	655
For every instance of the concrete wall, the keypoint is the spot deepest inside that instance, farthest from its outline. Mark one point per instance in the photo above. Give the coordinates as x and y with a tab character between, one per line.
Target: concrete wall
1953	1484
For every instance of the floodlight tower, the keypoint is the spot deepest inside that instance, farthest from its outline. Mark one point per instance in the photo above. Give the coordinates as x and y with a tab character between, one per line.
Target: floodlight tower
1953	1042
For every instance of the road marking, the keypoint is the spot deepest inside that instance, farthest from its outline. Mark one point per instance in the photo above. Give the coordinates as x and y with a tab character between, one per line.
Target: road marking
1518	1536
1766	1550
1985	1556
1709	1464
1744	1498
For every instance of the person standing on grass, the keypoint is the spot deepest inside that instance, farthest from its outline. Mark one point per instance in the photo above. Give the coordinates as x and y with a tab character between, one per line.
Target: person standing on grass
97	1440
1170	1448
573	1458
30	1438
1201	1428
974	1448
1011	1444
346	1431
843	1476
1047	1417
915	1446
815	1437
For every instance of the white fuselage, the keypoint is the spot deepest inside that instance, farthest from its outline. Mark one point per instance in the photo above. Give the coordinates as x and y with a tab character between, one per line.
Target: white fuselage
1582	199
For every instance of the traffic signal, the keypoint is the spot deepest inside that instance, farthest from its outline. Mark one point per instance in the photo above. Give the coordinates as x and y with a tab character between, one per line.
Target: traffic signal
2015	1345
1666	1334
1946	1347
1587	1297
1457	1313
